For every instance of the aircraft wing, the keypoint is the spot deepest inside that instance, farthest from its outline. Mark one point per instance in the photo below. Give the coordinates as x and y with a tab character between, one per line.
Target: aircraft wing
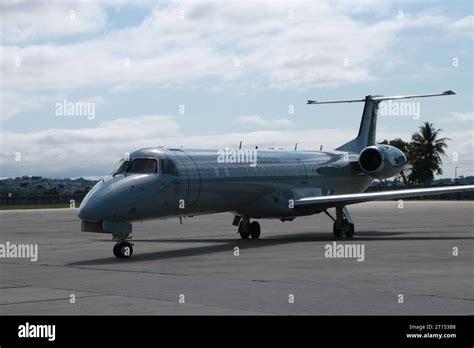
353	198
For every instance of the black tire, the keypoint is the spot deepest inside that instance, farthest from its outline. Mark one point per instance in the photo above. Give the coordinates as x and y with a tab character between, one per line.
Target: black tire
123	250
349	230
244	233
117	251
254	230
338	232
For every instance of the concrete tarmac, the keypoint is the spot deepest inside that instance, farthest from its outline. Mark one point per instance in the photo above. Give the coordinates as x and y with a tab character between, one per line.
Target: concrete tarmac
407	251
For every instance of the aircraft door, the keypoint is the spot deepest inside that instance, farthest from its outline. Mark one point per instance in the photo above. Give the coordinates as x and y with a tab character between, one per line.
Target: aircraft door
191	178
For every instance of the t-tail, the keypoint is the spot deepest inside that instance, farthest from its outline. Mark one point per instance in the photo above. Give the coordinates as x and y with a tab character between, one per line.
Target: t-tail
368	124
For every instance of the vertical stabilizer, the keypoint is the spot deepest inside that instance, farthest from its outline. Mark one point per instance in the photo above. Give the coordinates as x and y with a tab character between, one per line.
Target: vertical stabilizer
367	128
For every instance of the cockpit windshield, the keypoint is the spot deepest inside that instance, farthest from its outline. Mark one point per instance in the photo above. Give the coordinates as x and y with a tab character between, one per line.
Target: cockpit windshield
120	167
143	166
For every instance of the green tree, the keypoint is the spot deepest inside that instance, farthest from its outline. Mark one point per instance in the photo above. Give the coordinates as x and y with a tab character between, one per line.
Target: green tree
426	150
51	192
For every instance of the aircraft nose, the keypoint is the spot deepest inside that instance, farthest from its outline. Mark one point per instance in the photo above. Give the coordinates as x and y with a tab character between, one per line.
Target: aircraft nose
114	199
91	207
89	210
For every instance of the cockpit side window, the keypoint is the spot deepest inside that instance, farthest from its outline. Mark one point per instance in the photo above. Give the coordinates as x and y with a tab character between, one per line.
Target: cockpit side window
120	167
143	166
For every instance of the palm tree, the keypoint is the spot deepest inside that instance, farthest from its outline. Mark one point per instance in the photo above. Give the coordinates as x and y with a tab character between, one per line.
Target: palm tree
427	149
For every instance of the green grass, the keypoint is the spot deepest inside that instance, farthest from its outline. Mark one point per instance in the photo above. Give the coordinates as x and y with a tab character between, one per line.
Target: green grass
34	206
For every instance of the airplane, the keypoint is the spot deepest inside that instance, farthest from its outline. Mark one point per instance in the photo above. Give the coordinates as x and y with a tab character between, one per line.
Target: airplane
252	184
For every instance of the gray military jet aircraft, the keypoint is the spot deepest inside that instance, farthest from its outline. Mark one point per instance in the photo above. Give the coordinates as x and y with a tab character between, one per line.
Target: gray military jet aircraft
250	183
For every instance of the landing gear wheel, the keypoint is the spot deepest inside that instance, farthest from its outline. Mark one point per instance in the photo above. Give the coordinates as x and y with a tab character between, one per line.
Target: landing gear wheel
345	229
123	250
254	230
338	232
349	231
244	232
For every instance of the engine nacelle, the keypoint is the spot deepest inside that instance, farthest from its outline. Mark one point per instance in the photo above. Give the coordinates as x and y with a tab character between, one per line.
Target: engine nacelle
382	161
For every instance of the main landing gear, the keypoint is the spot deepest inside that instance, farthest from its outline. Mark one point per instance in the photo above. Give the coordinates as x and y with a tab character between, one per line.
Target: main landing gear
248	229
342	226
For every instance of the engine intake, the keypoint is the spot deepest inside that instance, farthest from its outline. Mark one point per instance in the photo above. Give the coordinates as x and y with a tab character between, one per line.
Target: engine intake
382	161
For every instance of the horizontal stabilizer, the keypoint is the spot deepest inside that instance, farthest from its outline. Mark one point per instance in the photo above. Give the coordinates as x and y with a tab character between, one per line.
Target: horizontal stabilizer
414	96
381	98
368	123
335	101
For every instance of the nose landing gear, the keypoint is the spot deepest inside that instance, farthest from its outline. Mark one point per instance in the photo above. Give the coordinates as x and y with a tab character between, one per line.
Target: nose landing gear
123	250
121	232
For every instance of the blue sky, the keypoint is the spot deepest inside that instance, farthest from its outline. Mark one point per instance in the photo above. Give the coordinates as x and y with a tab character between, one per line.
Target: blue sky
235	69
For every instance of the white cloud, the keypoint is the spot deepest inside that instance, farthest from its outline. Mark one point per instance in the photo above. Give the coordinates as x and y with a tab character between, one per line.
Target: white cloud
14	103
256	120
463	23
87	150
459	117
277	44
24	21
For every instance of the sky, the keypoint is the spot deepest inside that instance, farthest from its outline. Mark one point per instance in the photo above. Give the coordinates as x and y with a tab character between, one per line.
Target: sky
210	74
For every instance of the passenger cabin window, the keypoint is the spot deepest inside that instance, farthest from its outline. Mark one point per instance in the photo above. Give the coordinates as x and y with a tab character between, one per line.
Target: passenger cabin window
143	166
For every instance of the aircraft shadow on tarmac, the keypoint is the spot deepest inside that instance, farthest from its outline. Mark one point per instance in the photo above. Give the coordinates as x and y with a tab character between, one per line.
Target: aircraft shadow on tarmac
228	244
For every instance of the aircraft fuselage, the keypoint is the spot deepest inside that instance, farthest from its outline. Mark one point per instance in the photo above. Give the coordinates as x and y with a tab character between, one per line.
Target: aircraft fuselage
194	182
